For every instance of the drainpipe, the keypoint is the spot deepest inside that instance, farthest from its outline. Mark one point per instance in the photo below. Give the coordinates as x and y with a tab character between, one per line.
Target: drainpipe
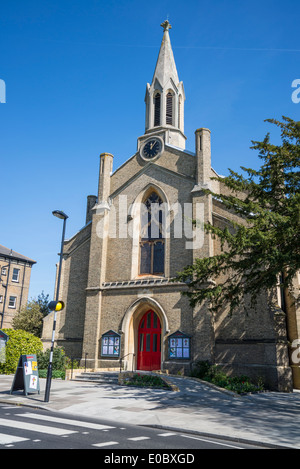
6	288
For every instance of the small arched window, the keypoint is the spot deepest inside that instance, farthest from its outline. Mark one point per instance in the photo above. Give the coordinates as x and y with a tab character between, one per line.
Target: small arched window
157	109
152	243
169	109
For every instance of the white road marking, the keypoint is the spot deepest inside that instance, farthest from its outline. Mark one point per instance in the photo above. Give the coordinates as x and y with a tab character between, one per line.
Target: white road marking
8	439
210	441
166	434
78	423
139	438
106	443
35	428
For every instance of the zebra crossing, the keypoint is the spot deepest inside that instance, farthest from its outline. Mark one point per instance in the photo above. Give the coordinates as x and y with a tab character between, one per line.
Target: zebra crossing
18	428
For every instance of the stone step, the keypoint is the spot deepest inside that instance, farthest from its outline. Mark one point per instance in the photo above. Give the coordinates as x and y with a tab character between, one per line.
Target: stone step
98	377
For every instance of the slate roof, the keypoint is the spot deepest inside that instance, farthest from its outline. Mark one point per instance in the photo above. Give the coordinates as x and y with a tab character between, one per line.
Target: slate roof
6	252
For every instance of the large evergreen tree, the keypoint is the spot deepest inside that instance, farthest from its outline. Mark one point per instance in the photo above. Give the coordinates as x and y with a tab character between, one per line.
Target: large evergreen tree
264	247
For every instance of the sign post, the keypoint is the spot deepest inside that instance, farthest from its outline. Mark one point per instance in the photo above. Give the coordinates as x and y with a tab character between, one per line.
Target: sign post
26	376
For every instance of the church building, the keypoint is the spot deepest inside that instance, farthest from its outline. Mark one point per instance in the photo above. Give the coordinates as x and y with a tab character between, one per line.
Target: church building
117	274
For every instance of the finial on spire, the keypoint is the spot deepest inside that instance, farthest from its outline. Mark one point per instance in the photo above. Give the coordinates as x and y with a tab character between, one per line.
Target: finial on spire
166	25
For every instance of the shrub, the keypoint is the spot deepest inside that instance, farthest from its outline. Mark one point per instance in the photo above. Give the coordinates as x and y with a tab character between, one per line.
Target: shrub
212	373
201	369
20	343
146	381
56	374
60	362
59	359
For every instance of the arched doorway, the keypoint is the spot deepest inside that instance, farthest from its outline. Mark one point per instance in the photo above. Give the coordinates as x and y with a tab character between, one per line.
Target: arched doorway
149	342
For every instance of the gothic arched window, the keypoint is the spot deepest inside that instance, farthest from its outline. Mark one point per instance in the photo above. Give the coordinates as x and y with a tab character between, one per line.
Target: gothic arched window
157	109
152	243
169	108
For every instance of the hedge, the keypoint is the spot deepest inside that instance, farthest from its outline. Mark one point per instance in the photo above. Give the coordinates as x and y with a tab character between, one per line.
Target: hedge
20	343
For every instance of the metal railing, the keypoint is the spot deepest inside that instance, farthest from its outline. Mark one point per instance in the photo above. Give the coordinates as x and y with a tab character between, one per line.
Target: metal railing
79	361
124	357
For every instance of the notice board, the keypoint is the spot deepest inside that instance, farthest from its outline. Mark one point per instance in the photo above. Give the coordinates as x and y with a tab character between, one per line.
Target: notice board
27	375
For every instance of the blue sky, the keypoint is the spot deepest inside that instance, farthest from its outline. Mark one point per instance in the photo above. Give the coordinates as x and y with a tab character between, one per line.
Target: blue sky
76	72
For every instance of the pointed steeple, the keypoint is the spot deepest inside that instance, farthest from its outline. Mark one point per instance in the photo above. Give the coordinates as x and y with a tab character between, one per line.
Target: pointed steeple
165	97
165	65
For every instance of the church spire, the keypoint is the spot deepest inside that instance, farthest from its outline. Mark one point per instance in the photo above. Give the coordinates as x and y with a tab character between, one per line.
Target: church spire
165	65
165	96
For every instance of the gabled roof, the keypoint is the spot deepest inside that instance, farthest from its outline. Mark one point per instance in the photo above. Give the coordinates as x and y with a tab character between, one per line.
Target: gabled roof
6	252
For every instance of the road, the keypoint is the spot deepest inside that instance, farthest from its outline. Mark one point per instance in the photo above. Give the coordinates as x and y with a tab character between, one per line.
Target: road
29	428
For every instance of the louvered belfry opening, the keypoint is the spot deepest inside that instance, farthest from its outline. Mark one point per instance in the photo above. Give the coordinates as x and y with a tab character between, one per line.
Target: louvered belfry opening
169	109
157	109
179	110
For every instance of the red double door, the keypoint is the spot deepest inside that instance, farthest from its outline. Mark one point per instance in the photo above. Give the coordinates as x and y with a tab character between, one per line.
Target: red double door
149	338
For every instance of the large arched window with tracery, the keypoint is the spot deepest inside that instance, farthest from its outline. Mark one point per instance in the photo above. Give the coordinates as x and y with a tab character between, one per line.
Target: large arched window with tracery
152	243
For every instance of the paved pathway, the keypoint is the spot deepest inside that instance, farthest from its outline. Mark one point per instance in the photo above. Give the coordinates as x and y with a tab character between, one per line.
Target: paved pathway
272	418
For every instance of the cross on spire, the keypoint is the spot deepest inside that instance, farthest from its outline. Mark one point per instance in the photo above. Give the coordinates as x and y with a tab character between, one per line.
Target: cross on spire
166	25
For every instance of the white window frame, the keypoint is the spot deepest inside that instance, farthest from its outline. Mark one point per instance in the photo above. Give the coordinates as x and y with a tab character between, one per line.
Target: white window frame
15	302
18	275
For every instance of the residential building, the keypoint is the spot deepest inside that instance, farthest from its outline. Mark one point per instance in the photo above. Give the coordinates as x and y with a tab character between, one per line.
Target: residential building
15	272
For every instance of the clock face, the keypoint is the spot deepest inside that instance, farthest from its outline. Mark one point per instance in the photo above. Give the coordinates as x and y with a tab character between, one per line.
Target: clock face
151	148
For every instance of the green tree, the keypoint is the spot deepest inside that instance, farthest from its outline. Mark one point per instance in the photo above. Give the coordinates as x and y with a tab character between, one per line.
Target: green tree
29	319
264	247
43	301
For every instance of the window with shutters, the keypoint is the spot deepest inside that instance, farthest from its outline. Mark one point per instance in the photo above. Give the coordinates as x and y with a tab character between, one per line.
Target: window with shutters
169	108
157	109
152	243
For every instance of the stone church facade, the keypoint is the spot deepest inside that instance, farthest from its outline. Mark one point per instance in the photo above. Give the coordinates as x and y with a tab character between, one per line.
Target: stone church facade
121	302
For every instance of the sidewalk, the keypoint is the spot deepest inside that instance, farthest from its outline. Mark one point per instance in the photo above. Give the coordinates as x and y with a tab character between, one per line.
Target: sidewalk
267	418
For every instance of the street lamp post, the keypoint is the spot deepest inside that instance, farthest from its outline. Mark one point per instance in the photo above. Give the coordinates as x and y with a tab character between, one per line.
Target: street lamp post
62	216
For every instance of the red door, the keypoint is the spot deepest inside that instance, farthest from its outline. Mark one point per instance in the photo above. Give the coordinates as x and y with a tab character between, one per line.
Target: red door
149	332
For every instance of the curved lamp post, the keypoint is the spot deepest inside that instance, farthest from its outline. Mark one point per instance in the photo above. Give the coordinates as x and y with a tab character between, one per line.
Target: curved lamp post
62	216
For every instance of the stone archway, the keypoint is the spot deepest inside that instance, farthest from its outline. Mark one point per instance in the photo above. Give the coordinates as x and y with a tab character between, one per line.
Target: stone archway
130	325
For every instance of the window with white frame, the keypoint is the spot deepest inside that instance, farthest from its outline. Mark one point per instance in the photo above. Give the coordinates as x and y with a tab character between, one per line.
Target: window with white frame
12	302
15	275
3	271
1	298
